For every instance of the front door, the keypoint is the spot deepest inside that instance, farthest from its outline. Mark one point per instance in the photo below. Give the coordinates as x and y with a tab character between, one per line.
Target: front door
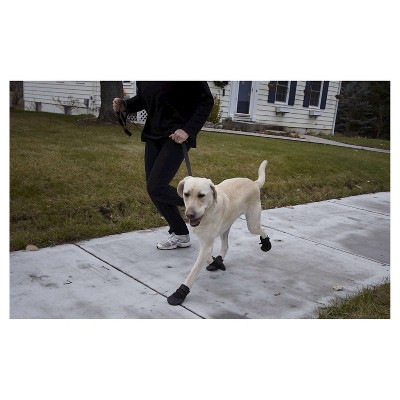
244	97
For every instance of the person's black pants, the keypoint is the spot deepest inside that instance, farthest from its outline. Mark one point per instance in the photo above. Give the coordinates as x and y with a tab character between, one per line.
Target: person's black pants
162	160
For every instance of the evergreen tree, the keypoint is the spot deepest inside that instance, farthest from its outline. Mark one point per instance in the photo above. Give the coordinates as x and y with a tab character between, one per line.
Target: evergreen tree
380	98
364	109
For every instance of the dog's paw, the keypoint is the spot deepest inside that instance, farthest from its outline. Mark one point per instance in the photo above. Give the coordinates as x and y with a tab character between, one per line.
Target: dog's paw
265	244
216	264
178	296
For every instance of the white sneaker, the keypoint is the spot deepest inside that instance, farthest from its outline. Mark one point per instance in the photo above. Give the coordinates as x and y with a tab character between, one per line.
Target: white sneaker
174	241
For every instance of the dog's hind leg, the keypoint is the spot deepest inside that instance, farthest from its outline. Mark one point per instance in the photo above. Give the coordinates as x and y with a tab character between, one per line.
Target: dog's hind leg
253	219
224	243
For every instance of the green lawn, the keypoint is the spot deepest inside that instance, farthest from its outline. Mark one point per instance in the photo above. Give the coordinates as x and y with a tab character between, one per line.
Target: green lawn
370	303
71	181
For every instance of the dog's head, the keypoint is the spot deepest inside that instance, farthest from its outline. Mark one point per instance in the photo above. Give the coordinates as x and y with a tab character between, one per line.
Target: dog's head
199	194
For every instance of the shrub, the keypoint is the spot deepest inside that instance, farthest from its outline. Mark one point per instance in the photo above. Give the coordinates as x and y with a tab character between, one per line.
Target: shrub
216	112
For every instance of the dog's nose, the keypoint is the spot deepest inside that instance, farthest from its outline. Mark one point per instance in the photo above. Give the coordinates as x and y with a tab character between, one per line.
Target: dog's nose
190	214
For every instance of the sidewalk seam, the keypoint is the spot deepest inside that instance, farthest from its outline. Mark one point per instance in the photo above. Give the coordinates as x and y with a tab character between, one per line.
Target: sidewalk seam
357	208
327	245
132	277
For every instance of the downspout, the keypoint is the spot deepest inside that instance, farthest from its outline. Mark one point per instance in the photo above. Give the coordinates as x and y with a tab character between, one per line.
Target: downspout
337	104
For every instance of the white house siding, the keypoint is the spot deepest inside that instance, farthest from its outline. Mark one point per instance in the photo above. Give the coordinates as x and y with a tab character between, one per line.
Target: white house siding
298	119
52	96
225	99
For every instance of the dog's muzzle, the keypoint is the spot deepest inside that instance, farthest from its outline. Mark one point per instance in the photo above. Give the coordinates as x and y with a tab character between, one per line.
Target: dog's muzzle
194	222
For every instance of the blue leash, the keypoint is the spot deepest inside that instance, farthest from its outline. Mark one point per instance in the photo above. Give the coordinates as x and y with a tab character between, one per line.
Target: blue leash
187	161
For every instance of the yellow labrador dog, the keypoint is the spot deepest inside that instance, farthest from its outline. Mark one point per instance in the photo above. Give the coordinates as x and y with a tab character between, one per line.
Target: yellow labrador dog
211	210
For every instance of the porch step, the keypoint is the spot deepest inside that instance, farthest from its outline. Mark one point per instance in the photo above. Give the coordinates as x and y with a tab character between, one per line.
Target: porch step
247	126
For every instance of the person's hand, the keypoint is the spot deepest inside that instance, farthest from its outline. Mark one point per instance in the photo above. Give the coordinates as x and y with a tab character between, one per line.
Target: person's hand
179	136
117	105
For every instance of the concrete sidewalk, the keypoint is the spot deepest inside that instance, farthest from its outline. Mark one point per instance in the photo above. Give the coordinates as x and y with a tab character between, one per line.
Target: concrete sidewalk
315	246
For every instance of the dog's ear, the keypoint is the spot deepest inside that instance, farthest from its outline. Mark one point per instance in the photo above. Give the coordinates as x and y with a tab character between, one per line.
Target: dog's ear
181	185
214	192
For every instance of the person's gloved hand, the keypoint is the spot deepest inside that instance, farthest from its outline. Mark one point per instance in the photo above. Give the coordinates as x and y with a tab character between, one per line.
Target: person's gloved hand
117	105
179	136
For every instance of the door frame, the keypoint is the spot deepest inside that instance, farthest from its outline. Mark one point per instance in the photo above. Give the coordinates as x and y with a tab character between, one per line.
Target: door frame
234	99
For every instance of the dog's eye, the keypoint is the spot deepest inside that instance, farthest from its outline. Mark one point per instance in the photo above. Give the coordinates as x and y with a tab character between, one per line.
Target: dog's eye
186	194
200	195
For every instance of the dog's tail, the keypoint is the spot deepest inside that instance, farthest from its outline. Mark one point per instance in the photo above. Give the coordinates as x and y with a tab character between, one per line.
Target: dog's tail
261	174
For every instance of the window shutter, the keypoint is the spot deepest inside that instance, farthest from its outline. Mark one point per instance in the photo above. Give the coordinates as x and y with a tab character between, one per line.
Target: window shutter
272	91
292	93
307	92
324	95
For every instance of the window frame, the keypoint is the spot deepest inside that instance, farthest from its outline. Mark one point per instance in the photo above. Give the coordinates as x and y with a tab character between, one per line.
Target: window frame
319	98
286	102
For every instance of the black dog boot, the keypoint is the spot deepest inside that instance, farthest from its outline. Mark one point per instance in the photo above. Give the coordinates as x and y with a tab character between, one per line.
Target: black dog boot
265	244
216	264
177	298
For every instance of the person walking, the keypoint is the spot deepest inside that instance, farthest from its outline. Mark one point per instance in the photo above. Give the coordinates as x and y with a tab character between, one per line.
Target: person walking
176	112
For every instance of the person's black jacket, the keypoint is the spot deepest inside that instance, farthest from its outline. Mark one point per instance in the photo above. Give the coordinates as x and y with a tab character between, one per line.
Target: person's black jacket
172	105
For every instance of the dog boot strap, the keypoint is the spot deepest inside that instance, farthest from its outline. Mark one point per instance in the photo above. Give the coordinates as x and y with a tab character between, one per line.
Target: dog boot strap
265	244
216	264
179	295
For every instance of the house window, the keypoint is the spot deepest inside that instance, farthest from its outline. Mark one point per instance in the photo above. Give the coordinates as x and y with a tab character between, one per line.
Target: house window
315	93
282	91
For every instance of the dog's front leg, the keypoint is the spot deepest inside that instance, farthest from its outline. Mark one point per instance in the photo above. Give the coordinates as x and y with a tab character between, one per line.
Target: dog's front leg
217	263
180	294
204	255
